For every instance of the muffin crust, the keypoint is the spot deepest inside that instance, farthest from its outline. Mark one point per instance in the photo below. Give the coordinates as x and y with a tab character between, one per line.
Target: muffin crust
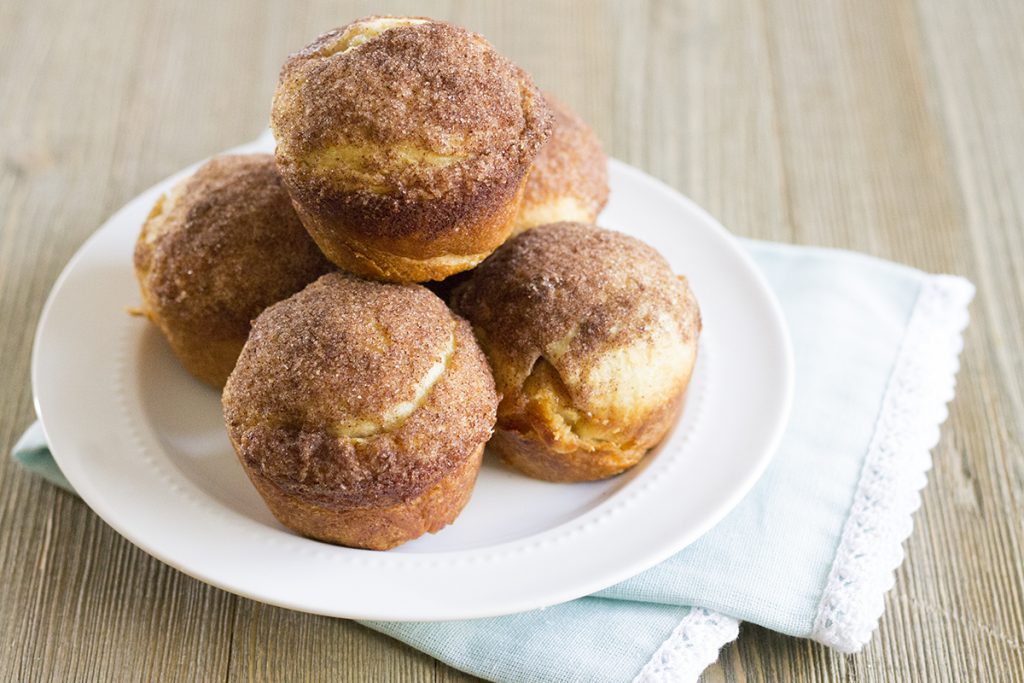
354	398
404	143
592	340
215	251
569	178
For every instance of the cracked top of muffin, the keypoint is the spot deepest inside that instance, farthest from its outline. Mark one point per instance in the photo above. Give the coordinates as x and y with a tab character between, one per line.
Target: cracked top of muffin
202	255
406	106
603	309
358	392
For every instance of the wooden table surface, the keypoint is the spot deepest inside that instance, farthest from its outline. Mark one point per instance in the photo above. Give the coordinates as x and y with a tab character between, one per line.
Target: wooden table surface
891	127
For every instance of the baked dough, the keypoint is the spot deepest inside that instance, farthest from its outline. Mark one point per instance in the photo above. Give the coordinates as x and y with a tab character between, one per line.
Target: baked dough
592	340
569	178
360	411
215	251
405	144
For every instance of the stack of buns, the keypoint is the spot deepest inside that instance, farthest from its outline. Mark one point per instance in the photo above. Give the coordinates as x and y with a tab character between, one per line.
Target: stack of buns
359	402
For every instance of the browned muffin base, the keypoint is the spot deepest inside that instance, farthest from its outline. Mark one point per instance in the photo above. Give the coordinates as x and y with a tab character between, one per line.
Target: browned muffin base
526	443
417	257
210	361
372	528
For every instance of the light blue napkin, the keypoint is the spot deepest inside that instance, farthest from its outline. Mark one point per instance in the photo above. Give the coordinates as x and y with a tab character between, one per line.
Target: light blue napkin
812	549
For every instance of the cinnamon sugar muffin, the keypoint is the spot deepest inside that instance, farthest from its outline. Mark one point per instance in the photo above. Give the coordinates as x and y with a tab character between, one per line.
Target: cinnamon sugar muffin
216	250
360	411
592	340
569	178
404	143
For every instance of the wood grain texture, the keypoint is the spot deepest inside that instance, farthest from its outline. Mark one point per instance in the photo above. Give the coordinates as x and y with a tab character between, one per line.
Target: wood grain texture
891	127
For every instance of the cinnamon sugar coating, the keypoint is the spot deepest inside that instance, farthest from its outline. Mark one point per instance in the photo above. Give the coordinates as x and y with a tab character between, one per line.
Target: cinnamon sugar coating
404	143
224	244
358	395
592	339
569	178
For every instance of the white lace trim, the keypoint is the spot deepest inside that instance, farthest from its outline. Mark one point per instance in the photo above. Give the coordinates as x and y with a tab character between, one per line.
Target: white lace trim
691	647
914	406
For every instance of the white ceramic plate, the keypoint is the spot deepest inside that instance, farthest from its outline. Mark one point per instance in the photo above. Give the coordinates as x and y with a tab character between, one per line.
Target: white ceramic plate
145	446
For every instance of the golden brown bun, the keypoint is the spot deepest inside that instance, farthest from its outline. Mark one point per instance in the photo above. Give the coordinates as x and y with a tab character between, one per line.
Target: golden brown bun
592	340
569	178
360	410
216	250
404	143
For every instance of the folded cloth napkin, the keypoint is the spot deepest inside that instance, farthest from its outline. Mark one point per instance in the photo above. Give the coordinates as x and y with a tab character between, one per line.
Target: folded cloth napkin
812	548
